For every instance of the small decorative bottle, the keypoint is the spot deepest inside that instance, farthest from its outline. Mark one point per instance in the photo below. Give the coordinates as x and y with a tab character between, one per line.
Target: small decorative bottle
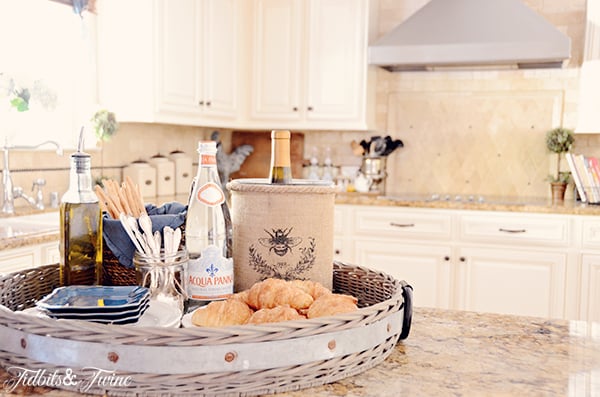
208	234
80	226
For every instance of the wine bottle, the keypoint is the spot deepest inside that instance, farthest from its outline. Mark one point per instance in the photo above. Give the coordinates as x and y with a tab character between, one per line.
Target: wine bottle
208	234
281	168
80	226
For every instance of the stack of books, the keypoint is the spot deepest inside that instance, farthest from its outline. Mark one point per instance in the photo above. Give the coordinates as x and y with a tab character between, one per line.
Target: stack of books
586	175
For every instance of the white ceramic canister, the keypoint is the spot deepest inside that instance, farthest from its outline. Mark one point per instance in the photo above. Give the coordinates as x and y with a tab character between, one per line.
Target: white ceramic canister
165	175
183	171
142	175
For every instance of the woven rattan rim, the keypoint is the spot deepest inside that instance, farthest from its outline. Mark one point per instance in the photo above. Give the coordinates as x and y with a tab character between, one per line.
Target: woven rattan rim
89	331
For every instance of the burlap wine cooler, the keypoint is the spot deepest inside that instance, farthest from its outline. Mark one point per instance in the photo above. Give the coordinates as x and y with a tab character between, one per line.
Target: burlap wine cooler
282	231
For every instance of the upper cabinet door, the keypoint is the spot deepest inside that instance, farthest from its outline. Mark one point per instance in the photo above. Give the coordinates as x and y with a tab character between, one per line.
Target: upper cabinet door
220	48
277	45
337	42
309	60
179	60
198	57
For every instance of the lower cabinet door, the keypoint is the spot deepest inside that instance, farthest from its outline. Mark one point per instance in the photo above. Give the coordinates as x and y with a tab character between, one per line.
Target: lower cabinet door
14	260
17	259
50	253
530	283
425	267
590	288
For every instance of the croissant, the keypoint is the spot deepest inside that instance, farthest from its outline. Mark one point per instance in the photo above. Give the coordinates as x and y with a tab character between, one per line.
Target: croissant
274	315
313	288
332	304
274	292
222	314
241	296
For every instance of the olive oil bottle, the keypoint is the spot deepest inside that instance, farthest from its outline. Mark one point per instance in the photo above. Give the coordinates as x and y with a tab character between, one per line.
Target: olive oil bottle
281	165
80	226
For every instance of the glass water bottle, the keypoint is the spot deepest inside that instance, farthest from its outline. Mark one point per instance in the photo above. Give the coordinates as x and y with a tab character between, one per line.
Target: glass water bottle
208	234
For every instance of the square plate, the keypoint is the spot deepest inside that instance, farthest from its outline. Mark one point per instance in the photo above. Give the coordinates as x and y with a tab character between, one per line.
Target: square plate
94	299
103	316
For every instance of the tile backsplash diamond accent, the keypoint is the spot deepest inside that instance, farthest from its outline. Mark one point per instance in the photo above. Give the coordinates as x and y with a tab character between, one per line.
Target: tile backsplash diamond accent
482	142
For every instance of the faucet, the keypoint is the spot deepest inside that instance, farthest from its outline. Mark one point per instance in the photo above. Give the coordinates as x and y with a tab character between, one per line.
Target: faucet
8	206
38	200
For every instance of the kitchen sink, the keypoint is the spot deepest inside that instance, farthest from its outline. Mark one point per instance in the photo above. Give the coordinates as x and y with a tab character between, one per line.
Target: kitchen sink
46	222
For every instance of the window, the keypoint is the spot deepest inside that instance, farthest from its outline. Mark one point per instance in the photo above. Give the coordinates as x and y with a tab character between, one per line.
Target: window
47	49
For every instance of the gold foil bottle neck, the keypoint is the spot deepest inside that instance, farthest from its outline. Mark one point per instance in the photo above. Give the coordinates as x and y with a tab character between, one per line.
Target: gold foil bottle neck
281	170
281	134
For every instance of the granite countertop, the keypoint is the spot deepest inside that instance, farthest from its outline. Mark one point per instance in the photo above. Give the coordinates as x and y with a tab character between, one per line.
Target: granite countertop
509	204
472	354
12	237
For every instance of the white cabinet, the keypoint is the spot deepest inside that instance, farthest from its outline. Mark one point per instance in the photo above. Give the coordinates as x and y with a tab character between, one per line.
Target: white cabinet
342	241
277	57
407	244
590	287
514	263
487	261
197	58
16	259
426	267
169	61
589	282
309	64
511	280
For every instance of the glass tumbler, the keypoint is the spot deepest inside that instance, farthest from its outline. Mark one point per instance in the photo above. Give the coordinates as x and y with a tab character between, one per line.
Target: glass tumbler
163	275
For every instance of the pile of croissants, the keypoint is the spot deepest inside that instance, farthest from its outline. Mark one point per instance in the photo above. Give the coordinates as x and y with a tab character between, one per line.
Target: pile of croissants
274	300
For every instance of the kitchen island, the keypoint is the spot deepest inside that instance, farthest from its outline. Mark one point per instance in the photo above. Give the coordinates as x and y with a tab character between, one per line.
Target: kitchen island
472	354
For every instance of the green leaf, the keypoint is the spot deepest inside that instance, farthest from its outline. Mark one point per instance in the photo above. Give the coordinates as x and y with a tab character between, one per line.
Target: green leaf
20	104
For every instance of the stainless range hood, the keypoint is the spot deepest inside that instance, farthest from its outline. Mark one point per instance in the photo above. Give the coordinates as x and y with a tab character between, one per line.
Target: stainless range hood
471	34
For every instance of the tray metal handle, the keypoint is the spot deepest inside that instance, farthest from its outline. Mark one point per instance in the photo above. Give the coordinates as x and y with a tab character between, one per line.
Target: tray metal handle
407	293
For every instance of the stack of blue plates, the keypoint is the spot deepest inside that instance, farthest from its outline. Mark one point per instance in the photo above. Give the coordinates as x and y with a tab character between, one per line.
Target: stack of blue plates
108	305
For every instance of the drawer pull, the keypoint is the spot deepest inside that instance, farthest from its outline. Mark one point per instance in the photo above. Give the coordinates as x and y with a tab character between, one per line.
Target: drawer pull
512	230
402	224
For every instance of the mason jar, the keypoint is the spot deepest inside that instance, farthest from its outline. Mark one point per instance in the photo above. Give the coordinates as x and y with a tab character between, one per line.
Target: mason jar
164	276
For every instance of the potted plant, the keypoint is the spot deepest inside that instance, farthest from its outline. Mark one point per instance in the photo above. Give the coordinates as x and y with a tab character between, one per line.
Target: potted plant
559	140
105	126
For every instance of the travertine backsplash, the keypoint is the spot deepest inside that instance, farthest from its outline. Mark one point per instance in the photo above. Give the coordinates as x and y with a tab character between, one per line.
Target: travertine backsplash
465	132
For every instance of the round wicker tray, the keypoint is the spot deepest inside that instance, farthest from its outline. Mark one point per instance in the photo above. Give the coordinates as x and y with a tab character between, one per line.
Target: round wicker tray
230	361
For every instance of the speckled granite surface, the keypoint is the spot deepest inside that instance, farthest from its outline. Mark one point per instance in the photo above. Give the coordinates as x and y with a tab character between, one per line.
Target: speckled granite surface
454	353
11	237
508	204
415	201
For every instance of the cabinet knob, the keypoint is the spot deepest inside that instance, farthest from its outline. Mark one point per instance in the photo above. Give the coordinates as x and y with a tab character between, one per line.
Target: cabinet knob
201	103
337	252
208	103
462	259
310	108
295	108
446	258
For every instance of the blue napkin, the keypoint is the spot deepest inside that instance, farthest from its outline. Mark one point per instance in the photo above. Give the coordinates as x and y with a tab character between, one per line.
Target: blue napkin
116	238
